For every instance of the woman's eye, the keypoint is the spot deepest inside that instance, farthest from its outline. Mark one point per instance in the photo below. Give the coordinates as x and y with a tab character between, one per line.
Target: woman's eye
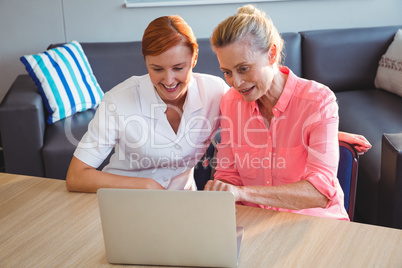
243	69
178	68
226	72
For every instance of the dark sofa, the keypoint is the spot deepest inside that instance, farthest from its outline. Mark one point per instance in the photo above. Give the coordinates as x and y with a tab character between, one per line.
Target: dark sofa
344	59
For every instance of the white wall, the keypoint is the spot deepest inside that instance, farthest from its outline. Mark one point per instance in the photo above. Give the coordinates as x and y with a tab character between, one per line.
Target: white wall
30	26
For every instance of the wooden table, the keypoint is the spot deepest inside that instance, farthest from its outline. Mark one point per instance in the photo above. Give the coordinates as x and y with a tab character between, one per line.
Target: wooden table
43	225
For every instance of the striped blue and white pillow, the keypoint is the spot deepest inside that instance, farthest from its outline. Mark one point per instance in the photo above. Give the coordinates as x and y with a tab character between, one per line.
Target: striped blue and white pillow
65	80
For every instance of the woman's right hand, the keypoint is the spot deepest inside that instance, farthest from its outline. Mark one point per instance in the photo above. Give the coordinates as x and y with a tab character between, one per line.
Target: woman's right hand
222	185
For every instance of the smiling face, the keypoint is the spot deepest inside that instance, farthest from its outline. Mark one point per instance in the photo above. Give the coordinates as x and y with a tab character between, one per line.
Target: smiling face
170	73
247	70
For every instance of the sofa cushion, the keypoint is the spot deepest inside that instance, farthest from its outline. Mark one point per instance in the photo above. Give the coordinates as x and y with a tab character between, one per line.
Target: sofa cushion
114	62
61	139
65	80
292	52
209	64
207	61
389	73
125	59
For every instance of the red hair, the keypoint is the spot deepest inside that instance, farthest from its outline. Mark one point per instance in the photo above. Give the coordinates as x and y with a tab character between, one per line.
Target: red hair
166	32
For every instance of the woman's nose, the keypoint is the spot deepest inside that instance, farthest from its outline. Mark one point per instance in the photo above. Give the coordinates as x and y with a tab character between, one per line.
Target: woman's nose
237	81
169	78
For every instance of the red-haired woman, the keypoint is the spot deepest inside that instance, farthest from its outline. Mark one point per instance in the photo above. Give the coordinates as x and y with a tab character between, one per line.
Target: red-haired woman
159	124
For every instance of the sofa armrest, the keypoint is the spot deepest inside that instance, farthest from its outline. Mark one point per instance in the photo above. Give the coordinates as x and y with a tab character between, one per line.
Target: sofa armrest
390	188
22	127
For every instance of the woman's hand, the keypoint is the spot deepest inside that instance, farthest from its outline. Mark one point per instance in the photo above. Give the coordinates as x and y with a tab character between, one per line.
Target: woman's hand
84	178
359	142
298	195
221	185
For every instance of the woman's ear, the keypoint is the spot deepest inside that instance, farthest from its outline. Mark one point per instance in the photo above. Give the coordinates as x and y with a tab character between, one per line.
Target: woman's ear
195	58
272	54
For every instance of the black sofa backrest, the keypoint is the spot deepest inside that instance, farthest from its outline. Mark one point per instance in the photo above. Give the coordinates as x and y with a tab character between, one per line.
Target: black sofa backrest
112	63
292	52
345	59
207	61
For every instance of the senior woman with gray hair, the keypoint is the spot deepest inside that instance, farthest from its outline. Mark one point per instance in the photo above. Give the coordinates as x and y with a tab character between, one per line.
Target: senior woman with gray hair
279	146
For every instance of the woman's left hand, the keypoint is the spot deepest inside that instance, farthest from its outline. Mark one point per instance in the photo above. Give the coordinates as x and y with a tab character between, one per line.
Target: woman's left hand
219	185
359	142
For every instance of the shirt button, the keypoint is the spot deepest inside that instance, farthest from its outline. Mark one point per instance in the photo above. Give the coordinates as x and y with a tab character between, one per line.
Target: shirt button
165	179
275	109
267	182
269	207
177	146
205	163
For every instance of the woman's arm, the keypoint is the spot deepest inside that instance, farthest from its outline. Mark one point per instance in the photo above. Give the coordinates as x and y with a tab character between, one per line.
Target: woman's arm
314	188
296	196
84	178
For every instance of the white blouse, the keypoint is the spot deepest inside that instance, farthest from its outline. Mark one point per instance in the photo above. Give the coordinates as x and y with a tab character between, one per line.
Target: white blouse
131	119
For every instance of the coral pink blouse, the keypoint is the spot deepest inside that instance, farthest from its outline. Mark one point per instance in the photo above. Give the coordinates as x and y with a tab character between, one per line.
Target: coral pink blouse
300	144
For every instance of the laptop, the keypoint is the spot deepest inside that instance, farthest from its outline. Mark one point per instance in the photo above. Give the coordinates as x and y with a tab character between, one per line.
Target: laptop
170	228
